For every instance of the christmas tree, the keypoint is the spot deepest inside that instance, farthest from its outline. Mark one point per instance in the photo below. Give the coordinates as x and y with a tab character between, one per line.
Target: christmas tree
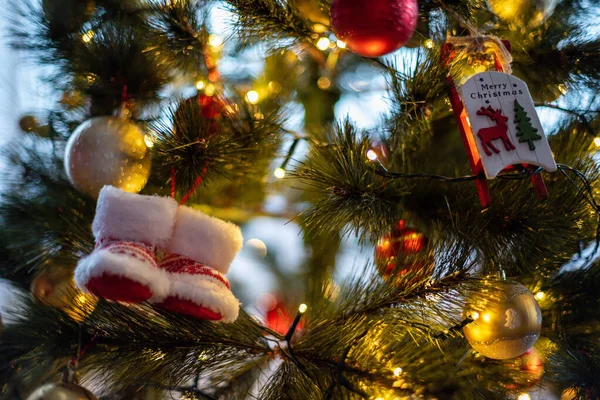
526	131
121	203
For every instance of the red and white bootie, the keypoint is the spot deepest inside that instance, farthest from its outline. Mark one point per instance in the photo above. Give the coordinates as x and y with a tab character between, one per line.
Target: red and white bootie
128	229
199	254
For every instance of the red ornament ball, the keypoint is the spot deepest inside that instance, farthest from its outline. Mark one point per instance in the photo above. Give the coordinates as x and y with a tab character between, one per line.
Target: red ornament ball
372	28
401	242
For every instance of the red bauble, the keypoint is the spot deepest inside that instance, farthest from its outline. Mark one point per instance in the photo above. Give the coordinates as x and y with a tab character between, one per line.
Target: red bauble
401	242
277	317
372	28
212	109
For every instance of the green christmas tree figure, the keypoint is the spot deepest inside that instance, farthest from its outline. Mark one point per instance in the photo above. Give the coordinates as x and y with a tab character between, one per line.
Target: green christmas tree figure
525	131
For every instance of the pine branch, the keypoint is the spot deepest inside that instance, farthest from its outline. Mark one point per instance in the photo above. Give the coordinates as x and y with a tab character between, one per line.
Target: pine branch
269	20
238	143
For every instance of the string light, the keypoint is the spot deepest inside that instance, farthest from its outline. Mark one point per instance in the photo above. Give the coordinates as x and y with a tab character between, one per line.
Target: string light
372	155
397	371
486	317
279	173
323	83
323	43
258	245
474	315
209	90
252	97
302	308
200	85
597	141
524	396
540	295
428	43
87	37
149	140
215	40
341	44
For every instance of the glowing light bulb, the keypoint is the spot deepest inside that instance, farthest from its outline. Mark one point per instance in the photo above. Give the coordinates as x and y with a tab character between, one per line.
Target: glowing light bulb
487	317
323	43
341	44
428	43
323	83
200	85
279	173
149	140
540	295
397	371
215	40
252	97
209	90
474	315
259	246
371	155
302	308
597	141
524	396
87	37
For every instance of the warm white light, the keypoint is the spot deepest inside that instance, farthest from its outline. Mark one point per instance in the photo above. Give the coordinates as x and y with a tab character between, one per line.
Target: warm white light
597	141
428	43
87	37
487	317
200	85
215	40
524	396
149	140
258	245
279	173
323	43
209	90
474	315
252	97
323	83
371	155
540	295
341	44
302	308
397	371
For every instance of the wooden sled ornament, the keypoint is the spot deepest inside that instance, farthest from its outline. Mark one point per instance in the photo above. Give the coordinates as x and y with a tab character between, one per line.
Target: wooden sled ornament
499	126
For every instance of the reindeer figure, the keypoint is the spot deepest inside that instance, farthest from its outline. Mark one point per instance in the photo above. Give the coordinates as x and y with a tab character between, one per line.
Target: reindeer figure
486	135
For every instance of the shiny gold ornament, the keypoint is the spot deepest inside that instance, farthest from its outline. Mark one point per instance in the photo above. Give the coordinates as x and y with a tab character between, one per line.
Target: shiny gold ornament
57	289
61	391
531	11
107	151
507	318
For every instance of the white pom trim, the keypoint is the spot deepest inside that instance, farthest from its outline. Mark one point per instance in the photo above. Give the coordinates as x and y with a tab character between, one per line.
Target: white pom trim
205	239
205	292
133	217
102	260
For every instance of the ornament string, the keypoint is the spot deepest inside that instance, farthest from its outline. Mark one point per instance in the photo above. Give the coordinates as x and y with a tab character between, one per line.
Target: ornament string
195	185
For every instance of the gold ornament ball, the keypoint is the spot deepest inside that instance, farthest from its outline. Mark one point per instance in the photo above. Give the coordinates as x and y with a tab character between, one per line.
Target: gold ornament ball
517	10
57	288
107	151
61	391
507	322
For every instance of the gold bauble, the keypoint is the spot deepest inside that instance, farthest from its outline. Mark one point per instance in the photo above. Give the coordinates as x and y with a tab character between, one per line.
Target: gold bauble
533	11
507	322
107	151
61	391
57	289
